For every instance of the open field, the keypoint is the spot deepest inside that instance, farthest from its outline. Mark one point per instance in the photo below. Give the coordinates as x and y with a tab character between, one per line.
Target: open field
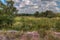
33	23
29	23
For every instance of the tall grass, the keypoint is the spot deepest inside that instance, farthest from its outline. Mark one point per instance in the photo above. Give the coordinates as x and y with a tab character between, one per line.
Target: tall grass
32	23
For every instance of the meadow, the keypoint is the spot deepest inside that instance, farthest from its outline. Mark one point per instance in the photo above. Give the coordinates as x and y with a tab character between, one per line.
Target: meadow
30	23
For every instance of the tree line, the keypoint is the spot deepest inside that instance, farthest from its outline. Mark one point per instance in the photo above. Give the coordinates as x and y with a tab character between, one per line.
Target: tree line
47	13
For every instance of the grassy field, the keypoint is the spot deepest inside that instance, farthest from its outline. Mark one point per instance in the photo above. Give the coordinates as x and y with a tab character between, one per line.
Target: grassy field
29	23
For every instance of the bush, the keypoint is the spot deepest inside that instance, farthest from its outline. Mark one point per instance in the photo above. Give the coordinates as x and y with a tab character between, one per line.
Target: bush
57	27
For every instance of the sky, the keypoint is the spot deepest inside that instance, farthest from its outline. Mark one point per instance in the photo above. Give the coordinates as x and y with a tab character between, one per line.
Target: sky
30	6
3	1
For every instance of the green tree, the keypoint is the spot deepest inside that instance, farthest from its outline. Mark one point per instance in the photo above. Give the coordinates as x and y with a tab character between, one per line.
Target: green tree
48	14
36	14
7	14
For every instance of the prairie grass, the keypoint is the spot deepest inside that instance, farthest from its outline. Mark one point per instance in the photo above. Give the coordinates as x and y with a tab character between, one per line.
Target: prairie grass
35	23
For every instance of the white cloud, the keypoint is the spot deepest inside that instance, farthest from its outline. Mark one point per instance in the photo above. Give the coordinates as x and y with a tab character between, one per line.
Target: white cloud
16	0
33	5
27	2
21	4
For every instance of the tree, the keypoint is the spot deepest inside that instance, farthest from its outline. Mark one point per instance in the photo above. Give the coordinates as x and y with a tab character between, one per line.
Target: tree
36	14
48	14
7	14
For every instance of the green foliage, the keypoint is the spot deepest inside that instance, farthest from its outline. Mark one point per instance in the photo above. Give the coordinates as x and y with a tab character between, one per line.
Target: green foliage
7	14
36	14
57	14
57	27
34	24
48	14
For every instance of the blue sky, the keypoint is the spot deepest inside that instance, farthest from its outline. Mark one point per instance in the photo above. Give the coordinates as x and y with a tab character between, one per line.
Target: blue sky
3	1
30	6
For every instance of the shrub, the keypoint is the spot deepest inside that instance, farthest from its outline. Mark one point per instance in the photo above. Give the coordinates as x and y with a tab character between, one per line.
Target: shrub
57	27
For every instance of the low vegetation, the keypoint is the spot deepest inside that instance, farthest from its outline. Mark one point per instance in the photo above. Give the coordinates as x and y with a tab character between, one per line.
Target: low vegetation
24	23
